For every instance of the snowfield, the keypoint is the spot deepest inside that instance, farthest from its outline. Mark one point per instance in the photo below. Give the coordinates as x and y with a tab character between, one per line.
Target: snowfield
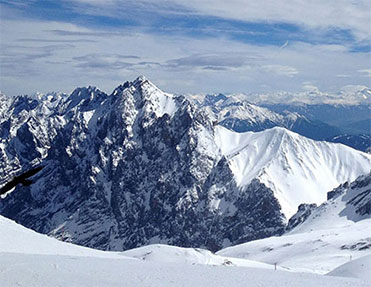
44	270
31	259
315	251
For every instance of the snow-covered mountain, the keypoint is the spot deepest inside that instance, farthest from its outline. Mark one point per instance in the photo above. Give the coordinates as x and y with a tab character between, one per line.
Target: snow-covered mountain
350	119
336	232
135	167
237	114
351	95
297	169
141	166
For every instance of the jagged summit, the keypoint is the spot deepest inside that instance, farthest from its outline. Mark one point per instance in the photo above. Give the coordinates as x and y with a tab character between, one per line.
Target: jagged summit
145	96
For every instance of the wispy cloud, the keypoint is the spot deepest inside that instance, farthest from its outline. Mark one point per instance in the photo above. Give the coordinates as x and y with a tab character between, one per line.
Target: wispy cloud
34	40
264	22
105	61
353	16
221	61
280	70
182	46
365	72
84	32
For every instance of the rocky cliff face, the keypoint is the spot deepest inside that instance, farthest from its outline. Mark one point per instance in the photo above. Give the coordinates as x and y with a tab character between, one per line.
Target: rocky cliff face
135	167
347	205
357	196
304	211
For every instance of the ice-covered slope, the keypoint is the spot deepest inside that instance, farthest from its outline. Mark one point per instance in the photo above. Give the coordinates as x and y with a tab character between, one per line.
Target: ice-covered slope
297	169
336	232
30	259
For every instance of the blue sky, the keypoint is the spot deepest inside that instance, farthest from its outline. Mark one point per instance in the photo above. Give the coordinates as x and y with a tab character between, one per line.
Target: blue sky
185	46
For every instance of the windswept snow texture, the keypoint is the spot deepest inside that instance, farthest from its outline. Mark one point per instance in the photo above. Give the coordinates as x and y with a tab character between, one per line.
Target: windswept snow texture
336	232
297	169
30	259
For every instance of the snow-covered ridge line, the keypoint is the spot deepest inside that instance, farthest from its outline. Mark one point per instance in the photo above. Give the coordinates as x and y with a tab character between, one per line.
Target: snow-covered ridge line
286	162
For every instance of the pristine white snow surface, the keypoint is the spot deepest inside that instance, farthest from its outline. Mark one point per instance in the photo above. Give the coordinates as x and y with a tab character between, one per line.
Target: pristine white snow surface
359	268
297	169
31	259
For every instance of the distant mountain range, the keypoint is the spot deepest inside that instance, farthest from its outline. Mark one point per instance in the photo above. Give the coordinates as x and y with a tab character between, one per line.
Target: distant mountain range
346	124
142	166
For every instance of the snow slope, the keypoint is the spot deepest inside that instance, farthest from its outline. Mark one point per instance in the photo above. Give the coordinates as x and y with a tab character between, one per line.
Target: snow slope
335	233
30	259
17	239
359	268
297	169
316	251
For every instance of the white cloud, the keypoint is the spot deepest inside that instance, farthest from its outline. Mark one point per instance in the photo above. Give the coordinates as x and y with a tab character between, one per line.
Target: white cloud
44	56
365	72
314	14
309	87
280	70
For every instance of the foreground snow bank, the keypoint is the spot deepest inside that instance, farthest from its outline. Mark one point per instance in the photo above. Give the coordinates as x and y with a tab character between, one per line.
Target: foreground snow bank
31	259
359	268
48	270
